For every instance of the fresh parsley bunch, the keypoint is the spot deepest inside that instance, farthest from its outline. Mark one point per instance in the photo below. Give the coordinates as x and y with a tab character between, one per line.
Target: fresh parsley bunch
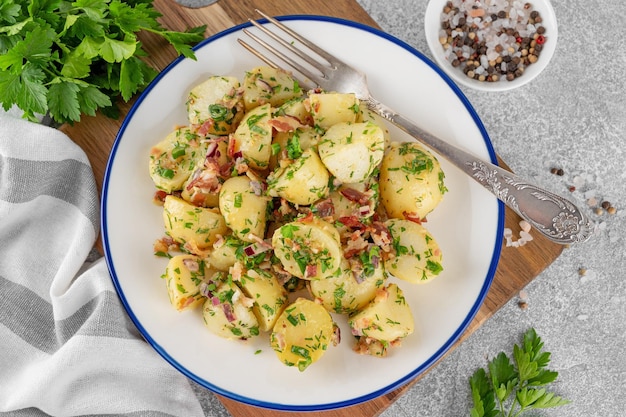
517	385
67	58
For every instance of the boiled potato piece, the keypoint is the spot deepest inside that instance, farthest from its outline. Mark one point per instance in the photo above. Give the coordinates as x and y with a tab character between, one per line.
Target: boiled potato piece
253	137
329	109
244	211
291	145
303	182
417	255
228	313
183	276
215	106
352	151
344	294
309	248
302	334
202	186
366	115
264	85
270	298
195	227
386	319
411	181
296	108
174	159
223	256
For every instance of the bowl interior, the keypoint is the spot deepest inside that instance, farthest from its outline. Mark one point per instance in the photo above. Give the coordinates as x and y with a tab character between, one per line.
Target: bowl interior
249	371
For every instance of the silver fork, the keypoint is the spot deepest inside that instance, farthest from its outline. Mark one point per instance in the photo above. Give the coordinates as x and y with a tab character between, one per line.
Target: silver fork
552	215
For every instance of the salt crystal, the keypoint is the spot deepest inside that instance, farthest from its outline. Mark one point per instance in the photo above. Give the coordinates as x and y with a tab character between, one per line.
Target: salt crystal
582	317
590	193
578	181
525	236
503	66
525	226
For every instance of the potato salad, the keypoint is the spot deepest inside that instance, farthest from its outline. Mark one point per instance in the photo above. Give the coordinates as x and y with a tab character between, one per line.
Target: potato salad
285	211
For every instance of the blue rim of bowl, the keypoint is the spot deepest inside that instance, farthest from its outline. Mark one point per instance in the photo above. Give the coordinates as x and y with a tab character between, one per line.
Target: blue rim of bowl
327	406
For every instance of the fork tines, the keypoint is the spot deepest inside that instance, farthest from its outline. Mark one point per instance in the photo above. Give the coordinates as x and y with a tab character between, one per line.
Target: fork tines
288	46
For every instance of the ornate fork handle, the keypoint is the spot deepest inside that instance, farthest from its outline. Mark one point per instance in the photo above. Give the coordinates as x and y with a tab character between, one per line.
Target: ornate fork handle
552	215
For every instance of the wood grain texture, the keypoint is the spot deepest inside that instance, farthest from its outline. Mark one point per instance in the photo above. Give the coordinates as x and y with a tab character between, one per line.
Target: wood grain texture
96	135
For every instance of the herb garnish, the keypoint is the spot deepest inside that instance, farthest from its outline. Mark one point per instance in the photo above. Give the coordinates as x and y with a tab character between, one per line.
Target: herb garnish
515	385
68	58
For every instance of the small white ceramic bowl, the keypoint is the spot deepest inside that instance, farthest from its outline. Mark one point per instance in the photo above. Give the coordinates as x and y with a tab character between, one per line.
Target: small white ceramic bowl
432	27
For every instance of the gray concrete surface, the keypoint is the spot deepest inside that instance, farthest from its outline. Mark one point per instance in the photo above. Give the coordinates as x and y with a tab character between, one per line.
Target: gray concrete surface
573	116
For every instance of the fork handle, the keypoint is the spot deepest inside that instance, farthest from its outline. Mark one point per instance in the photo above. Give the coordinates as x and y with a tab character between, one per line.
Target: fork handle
552	215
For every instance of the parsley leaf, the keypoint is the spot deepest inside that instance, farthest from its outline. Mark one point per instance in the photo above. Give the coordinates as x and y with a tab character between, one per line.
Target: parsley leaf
73	58
64	99
510	386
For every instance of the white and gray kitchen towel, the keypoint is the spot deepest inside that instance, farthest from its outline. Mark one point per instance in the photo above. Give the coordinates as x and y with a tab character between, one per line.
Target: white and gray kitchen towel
67	347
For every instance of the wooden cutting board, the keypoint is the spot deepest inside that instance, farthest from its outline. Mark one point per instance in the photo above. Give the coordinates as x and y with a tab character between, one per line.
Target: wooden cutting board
517	266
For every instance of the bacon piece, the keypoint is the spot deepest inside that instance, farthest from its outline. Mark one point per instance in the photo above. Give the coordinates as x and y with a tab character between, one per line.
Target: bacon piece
205	127
353	195
159	196
308	218
211	150
352	221
324	208
413	217
165	244
207	179
381	236
310	271
233	100
285	123
232	143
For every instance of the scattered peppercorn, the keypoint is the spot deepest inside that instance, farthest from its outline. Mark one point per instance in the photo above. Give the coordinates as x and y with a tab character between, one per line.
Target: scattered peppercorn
606	205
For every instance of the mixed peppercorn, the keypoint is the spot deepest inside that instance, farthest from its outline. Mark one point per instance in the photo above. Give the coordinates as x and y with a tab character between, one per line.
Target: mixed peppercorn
491	46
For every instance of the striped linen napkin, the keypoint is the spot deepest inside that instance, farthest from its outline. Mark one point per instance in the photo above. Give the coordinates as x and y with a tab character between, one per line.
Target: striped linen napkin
67	346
